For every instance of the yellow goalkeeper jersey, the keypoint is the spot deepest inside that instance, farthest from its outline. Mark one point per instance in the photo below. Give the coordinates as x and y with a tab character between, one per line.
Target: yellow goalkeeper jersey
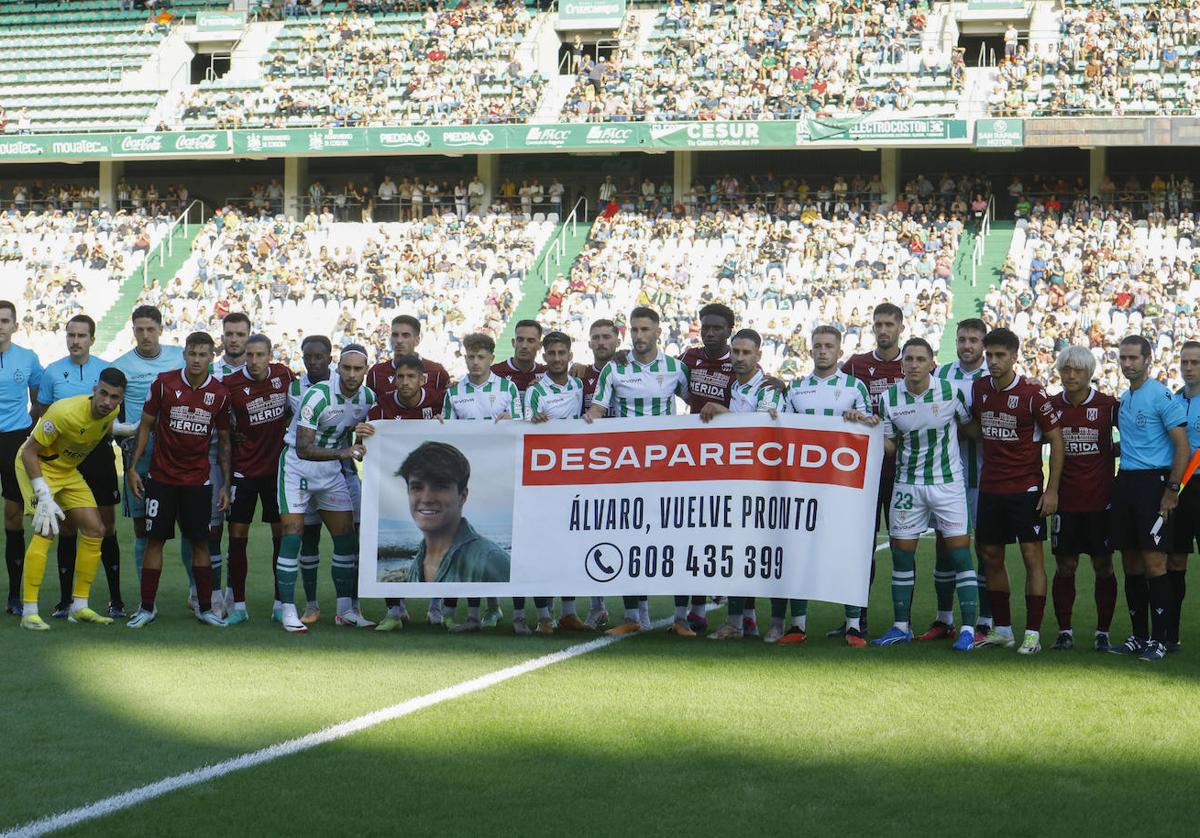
68	432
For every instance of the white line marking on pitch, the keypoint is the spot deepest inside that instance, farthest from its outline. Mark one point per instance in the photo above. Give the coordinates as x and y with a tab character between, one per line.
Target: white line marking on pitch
134	797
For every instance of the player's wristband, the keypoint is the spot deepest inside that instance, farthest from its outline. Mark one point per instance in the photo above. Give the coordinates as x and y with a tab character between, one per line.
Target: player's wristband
40	487
1174	487
124	429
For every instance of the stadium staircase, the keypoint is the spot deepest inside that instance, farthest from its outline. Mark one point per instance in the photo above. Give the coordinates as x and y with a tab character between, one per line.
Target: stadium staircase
537	281
115	319
968	298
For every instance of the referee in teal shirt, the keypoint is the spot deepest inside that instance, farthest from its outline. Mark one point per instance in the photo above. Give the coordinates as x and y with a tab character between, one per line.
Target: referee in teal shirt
1154	453
1187	516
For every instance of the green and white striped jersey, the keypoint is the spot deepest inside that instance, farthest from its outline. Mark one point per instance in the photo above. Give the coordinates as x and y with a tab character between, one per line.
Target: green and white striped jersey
488	400
969	449
221	370
925	428
633	389
754	396
557	401
830	396
333	416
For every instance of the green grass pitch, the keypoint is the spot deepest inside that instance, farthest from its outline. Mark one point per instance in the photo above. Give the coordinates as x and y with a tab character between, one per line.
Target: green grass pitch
653	735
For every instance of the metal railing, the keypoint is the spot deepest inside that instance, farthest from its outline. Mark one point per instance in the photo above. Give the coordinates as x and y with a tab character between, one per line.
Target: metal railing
985	227
558	247
166	245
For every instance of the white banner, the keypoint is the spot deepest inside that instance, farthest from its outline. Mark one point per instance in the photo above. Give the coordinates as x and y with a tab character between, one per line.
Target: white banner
743	506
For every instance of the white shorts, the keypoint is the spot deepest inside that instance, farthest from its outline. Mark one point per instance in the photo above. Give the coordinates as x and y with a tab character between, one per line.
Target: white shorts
215	518
354	484
306	485
915	508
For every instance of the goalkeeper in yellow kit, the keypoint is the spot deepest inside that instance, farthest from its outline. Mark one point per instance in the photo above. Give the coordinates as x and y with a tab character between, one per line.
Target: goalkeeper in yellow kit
53	489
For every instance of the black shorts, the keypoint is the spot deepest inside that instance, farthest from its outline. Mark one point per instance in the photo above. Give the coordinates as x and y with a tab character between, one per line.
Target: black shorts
99	471
1005	518
245	493
167	503
1186	522
10	444
1080	533
1133	519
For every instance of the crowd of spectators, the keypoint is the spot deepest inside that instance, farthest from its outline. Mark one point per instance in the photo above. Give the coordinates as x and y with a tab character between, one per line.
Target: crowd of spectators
1096	271
450	67
770	59
59	260
1110	59
783	276
347	280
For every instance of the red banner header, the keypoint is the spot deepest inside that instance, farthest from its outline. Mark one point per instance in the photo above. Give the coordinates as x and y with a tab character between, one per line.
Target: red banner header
796	455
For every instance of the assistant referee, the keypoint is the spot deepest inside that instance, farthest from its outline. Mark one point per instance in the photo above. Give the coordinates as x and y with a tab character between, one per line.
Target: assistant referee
1154	454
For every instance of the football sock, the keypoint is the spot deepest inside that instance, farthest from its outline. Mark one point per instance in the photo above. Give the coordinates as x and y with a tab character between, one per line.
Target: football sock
276	542
29	609
985	602
1035	609
139	552
519	604
598	603
800	621
943	583
1001	613
344	605
543	612
1106	602
518	612
750	612
309	565
1178	591
238	567
285	572
185	556
149	587
472	610
14	560
736	607
1137	599
644	609
1063	591
631	615
1160	606
34	567
630	602
218	561
945	617
543	601
204	587
66	566
395	611
568	606
966	583
681	601
472	602
854	623
87	562
904	576
698	603
345	564
778	607
493	603
110	559
681	611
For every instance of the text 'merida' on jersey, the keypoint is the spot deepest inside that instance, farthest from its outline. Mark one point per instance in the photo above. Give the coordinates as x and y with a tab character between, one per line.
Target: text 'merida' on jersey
754	453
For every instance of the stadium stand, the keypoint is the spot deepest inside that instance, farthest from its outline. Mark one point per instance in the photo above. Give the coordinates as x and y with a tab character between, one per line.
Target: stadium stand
53	262
1110	59
759	59
347	280
1093	274
454	66
783	275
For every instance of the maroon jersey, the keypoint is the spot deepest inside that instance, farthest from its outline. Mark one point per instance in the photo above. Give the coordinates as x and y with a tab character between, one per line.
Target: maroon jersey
1087	430
381	378
877	374
186	420
389	406
259	417
520	379
709	379
1013	421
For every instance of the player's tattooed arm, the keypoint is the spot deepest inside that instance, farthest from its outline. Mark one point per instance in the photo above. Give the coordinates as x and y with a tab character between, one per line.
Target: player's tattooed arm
307	448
